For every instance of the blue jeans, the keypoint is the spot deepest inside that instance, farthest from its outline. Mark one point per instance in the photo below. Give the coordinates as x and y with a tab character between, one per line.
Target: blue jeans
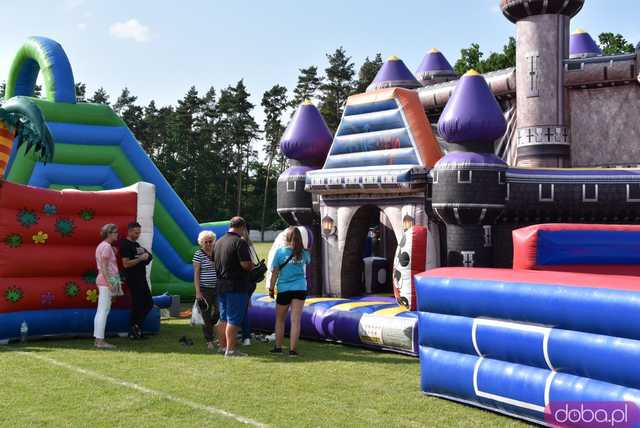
233	307
246	324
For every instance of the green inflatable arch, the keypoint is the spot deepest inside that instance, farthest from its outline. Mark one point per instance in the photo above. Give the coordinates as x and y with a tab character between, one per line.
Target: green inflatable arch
39	54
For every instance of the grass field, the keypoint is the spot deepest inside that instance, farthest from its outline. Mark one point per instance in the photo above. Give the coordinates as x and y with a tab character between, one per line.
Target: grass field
160	383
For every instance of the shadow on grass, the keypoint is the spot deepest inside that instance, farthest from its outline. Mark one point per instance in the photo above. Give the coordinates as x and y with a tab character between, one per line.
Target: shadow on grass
167	342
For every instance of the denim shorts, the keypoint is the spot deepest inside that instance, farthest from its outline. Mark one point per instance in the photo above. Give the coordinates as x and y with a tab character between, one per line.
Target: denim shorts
233	307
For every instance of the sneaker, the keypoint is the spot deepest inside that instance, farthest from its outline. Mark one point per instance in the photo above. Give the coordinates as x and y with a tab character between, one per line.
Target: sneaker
293	353
246	342
235	353
276	351
105	345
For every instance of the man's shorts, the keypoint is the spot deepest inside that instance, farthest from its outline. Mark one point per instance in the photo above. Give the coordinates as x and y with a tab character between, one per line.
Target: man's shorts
233	306
286	297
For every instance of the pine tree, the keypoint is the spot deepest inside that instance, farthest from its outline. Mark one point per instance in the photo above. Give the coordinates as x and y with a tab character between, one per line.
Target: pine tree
308	84
240	129
274	102
81	91
186	140
337	87
125	100
368	72
100	97
131	113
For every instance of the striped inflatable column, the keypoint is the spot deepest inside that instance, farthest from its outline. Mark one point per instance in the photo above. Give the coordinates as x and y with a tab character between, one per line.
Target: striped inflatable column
6	143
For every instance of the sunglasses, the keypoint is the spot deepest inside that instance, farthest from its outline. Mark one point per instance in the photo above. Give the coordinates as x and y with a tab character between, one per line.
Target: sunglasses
208	242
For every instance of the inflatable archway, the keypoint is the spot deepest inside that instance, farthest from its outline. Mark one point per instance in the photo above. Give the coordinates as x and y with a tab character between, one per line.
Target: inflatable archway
39	54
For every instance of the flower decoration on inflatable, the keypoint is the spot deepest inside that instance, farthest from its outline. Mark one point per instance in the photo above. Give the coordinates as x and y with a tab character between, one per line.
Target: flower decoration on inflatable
92	295
13	294
71	289
27	218
90	277
40	238
87	214
13	240
47	298
50	209
65	227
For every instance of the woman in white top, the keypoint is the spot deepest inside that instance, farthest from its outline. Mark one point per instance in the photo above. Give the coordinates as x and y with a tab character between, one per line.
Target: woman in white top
204	281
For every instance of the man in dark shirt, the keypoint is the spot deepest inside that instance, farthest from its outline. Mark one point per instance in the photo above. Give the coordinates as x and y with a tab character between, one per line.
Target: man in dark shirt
232	261
135	259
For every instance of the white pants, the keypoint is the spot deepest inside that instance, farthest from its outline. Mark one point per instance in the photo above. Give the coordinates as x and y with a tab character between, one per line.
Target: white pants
104	306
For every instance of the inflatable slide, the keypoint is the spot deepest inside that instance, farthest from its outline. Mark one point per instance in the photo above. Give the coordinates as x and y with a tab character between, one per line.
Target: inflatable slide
95	150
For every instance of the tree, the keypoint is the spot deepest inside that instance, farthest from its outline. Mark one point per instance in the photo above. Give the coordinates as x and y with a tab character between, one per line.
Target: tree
81	91
131	113
274	102
125	100
240	129
308	84
337	87
471	58
368	72
100	97
614	44
500	60
184	148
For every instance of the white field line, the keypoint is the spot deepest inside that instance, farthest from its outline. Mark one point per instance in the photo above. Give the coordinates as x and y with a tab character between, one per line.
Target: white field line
192	404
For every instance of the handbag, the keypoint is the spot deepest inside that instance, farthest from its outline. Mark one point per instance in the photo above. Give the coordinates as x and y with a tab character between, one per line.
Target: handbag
258	272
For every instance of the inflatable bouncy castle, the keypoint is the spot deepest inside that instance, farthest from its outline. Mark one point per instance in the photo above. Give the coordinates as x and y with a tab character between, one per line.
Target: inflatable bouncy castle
502	208
94	150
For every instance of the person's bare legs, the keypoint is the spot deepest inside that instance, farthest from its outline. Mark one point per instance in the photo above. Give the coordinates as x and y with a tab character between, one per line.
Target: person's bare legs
296	314
231	332
221	329
281	315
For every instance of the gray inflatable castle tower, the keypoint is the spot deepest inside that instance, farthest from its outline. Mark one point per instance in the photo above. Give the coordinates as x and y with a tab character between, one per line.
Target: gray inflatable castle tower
542	37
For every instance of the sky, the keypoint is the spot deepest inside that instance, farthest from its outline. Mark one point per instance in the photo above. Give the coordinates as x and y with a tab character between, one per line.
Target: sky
159	49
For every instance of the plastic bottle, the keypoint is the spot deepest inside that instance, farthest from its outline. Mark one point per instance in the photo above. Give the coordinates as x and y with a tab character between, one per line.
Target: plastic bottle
24	331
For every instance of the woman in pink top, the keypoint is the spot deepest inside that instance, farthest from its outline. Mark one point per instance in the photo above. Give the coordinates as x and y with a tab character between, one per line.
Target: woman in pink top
108	282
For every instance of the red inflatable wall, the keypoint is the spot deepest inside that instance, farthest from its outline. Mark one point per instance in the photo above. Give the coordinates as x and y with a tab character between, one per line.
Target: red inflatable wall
527	251
47	254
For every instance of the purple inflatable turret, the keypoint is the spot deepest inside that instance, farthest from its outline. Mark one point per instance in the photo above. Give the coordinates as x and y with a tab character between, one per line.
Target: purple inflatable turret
306	142
472	119
394	74
469	183
581	45
307	138
435	68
